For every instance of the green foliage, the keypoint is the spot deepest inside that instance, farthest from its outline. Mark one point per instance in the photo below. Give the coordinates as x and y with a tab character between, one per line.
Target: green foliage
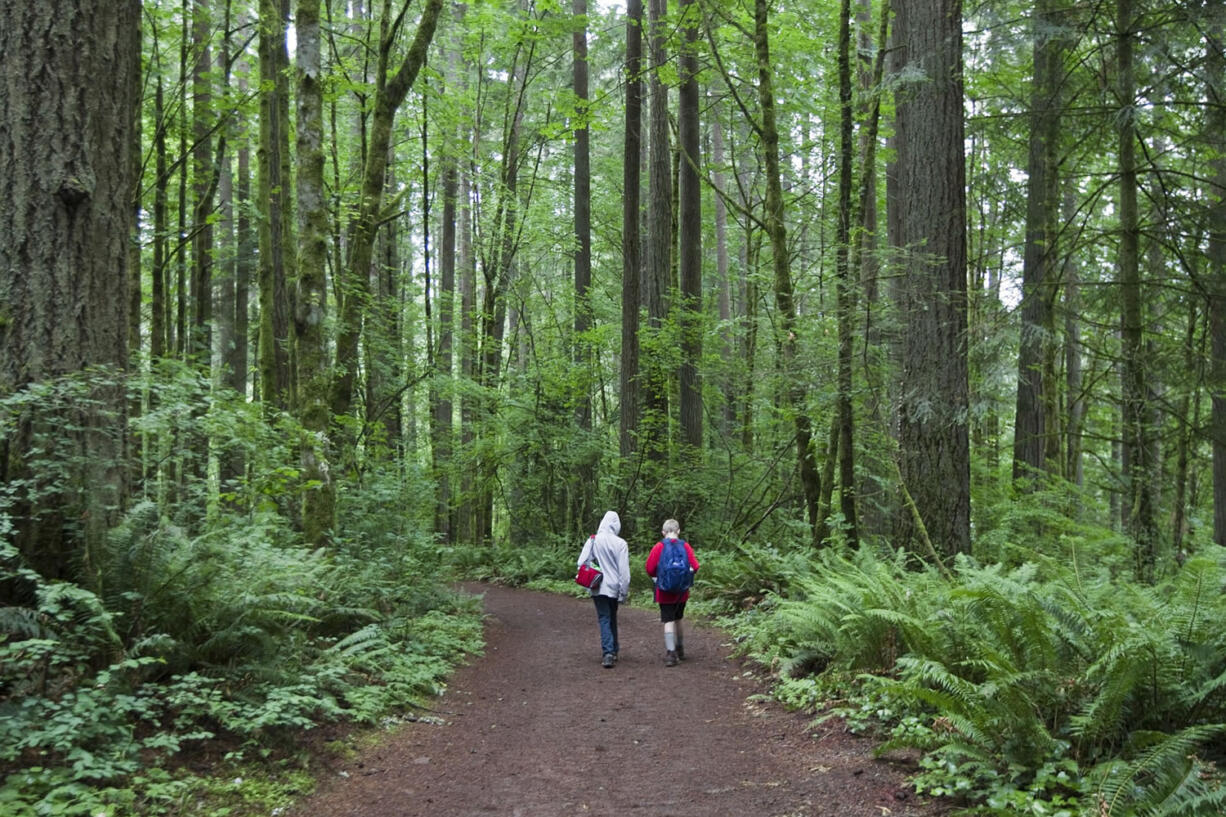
201	618
1044	688
743	575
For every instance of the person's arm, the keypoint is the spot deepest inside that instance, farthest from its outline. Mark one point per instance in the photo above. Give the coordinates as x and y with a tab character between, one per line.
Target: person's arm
586	553
689	551
623	568
653	559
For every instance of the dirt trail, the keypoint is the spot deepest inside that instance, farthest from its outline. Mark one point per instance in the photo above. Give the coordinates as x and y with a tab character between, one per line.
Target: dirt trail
537	728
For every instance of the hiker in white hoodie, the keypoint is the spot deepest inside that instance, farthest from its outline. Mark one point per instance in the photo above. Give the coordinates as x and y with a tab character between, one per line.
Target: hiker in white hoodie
609	551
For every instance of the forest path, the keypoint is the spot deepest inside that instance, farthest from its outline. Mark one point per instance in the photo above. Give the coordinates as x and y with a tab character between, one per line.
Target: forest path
536	728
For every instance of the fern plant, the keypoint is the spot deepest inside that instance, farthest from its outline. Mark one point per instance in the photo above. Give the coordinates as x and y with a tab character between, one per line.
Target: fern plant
1016	680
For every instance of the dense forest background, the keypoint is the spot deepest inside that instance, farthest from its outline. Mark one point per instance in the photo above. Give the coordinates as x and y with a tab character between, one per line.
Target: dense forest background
912	313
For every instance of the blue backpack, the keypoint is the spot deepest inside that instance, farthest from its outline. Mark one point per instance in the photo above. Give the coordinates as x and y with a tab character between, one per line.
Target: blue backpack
673	573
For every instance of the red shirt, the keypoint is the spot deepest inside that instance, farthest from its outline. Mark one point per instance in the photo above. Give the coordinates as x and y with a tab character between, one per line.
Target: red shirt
653	561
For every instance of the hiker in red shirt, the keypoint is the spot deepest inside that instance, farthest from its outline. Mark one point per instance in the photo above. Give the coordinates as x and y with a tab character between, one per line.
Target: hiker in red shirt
672	565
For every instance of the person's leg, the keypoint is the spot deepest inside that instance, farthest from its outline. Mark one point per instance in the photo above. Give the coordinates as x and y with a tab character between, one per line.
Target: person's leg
603	616
613	605
668	616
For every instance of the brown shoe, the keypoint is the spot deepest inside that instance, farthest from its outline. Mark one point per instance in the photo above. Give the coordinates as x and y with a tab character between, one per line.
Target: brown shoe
670	659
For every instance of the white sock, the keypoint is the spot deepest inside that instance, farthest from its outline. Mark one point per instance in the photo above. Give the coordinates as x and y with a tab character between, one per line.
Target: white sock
670	641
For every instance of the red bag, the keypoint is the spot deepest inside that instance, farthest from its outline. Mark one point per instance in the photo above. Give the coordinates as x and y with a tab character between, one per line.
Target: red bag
589	576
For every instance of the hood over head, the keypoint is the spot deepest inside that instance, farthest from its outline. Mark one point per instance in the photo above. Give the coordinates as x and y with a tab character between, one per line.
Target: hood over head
611	523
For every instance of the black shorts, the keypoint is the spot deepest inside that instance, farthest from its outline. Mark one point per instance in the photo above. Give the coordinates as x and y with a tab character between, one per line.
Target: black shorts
672	612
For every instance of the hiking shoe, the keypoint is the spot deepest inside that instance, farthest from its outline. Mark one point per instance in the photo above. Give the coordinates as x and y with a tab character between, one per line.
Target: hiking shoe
608	661
670	658
616	657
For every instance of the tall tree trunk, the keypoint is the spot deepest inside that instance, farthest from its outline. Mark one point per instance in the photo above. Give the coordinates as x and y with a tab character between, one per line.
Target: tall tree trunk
466	258
584	496
161	224
1215	307
248	244
1035	384
657	270
383	337
864	260
225	265
134	288
466	510
276	241
1137	451
1185	413
845	450
226	261
442	431
183	239
66	219
689	214
723	281
631	270
934	399
869	78
204	180
1075	402
747	294
311	343
784	299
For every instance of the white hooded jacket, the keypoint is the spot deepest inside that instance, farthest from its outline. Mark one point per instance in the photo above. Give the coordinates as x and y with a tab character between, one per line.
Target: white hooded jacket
611	553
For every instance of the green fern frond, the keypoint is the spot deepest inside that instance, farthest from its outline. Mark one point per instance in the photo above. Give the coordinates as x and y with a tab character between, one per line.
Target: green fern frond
22	623
369	638
1195	800
1125	787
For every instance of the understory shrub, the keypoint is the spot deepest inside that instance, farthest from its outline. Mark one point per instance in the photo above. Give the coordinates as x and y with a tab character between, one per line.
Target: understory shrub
247	647
203	625
1046	688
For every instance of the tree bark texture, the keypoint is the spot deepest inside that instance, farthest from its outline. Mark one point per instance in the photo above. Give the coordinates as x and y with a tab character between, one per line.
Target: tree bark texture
847	287
1137	451
442	425
586	468
1035	378
319	495
657	268
159	320
934	399
689	254
1215	46
723	283
67	115
204	185
276	229
1075	401
631	268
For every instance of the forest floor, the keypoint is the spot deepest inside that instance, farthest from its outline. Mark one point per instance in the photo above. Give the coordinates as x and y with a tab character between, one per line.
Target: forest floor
535	727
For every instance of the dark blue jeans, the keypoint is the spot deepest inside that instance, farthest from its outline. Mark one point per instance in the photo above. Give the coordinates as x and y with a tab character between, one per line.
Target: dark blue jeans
606	614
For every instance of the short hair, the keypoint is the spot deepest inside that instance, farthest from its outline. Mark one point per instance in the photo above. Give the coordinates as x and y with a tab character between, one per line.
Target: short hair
671	526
